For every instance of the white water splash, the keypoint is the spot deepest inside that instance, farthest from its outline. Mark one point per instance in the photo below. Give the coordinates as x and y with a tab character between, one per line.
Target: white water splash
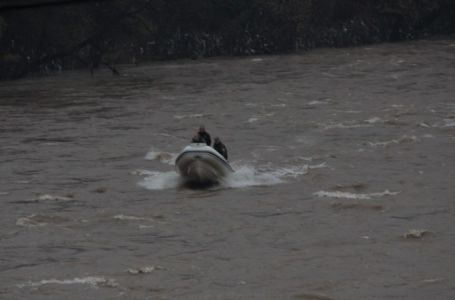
189	116
374	120
94	281
244	176
141	172
425	125
29	222
280	105
256	118
130	218
401	140
164	157
397	105
317	102
48	197
346	195
144	270
345	125
319	166
449	123
40	220
161	180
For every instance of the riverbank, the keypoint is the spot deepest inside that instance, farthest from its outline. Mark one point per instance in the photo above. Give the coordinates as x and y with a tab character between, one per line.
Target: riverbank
91	35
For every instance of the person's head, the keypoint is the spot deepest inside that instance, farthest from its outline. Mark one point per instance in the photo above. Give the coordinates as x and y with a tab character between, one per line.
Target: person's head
202	128
217	140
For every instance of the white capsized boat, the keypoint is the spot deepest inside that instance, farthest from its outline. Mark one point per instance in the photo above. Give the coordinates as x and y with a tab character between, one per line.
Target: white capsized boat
201	164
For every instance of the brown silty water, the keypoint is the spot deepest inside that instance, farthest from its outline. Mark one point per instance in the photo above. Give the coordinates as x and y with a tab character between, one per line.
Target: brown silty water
344	182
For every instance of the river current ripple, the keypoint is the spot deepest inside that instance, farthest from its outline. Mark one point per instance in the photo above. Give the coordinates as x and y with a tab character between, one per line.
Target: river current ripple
344	183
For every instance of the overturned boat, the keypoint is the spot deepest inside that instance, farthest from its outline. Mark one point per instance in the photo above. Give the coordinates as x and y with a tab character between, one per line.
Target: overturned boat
201	164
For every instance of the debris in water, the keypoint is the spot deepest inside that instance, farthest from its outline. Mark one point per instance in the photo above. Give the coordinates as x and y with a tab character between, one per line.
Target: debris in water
100	190
416	233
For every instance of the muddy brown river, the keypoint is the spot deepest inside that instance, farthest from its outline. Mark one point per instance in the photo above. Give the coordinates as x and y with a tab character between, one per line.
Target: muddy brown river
344	183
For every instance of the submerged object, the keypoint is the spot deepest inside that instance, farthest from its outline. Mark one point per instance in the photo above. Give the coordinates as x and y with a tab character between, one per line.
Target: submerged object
201	164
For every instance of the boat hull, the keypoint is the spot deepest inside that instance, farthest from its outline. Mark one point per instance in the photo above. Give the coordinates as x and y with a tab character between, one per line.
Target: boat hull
201	164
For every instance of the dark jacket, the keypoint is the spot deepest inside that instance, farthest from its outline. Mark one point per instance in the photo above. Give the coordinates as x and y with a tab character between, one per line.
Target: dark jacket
197	139
221	148
205	137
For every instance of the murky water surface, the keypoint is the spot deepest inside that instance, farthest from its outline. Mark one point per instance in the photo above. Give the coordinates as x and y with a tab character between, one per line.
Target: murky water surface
344	184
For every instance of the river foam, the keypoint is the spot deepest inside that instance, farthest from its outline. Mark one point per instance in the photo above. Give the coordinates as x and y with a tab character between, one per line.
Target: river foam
346	195
401	140
93	281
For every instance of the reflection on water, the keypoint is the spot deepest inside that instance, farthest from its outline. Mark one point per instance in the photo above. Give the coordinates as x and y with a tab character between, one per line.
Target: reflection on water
343	182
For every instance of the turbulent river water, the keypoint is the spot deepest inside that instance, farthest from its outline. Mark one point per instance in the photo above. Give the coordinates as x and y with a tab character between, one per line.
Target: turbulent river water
344	184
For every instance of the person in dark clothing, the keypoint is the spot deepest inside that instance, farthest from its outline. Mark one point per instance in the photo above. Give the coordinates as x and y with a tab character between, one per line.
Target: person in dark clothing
197	139
204	135
220	147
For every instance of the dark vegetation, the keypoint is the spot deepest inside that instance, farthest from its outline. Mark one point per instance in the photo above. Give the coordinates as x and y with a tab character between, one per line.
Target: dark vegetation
45	36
